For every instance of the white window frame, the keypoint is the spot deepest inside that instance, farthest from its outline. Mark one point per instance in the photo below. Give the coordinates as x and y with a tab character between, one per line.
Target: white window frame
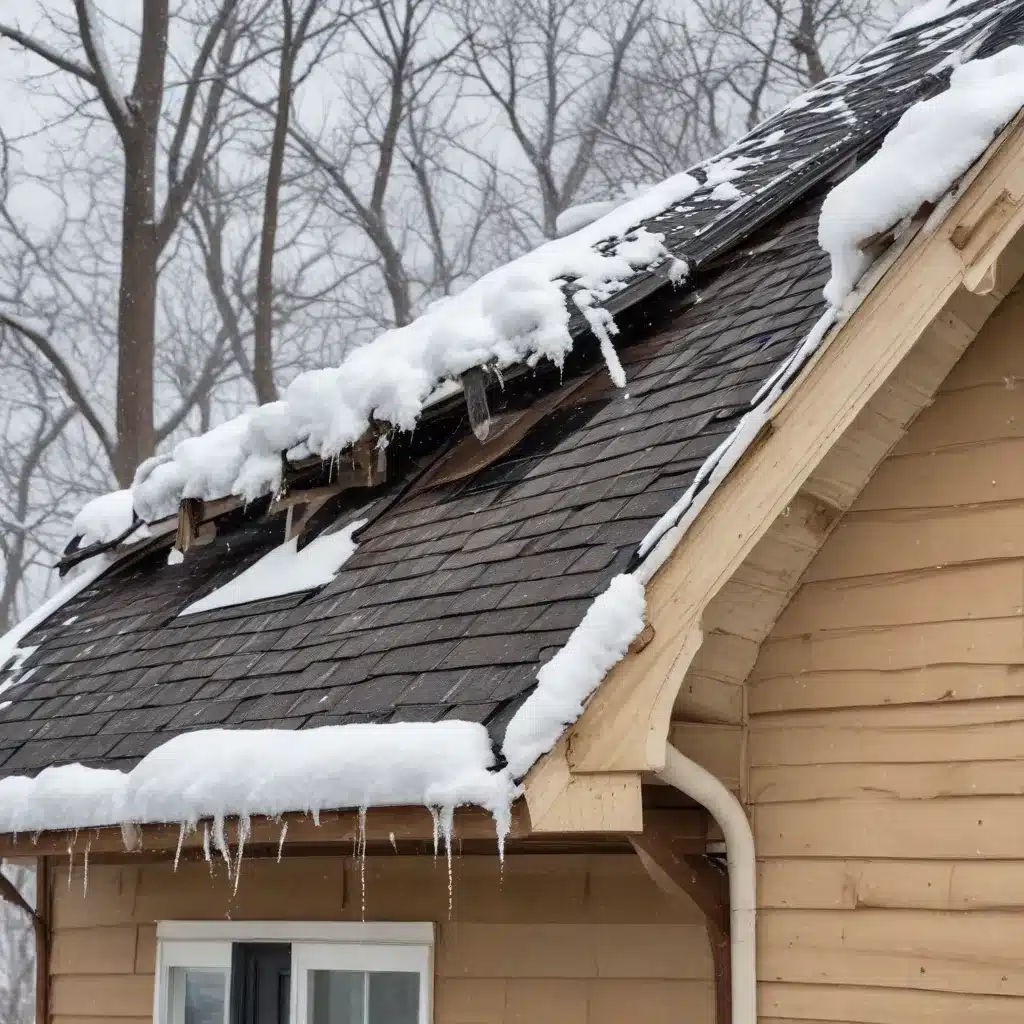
316	945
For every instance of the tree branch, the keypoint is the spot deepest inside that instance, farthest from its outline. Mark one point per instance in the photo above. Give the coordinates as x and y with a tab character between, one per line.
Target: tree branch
74	390
58	60
92	43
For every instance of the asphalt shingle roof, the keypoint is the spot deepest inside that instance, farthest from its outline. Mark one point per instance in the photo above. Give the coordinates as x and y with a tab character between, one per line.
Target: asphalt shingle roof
458	592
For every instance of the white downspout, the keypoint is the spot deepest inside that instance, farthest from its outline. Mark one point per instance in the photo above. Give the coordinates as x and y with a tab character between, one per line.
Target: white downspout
688	777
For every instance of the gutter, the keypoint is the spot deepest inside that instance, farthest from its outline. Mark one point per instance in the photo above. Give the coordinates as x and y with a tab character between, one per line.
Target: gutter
696	782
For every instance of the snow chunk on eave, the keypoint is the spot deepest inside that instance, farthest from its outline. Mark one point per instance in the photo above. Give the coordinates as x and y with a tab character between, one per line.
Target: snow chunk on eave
104	519
933	144
517	313
611	624
220	772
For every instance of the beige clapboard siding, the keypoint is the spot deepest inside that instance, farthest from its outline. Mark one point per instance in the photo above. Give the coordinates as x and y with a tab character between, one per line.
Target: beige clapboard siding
857	1004
885	750
546	938
902	540
794	783
926	684
988	590
970	952
904	884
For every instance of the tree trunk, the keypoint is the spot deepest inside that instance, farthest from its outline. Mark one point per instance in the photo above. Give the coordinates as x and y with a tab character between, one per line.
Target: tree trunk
136	309
263	347
136	321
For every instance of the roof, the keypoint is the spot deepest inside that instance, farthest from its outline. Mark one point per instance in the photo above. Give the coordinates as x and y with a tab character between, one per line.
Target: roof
459	591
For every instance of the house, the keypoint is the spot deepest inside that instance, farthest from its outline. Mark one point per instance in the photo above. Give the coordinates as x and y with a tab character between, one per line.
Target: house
691	699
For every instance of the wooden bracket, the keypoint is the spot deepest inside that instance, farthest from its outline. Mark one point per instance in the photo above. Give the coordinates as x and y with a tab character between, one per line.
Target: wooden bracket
701	881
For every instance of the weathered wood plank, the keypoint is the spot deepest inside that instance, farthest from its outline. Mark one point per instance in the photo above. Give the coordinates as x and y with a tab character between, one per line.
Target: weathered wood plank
857	688
894	648
872	543
987	412
982	472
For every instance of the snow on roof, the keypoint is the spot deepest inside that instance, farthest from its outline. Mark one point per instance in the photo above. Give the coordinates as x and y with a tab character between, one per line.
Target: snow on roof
516	313
103	519
933	144
284	570
926	12
214	773
920	160
217	773
10	641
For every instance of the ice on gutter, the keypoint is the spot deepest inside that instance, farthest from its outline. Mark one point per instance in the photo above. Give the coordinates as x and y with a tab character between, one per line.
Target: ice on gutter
217	773
284	570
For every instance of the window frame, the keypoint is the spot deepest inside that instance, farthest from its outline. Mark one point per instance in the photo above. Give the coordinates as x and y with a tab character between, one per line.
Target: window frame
315	945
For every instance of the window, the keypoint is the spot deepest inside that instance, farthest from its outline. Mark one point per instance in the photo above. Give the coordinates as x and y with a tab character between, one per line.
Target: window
312	973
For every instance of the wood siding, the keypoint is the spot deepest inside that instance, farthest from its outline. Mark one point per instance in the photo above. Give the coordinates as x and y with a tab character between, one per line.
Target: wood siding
885	752
571	939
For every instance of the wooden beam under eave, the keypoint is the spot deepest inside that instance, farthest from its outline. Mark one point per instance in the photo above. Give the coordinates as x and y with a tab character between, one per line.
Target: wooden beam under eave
339	830
693	879
625	725
336	827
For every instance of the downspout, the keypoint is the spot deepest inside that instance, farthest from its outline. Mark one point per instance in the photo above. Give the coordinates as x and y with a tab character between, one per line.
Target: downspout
691	779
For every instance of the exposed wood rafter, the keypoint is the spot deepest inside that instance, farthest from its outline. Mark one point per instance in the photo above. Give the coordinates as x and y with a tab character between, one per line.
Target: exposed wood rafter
692	877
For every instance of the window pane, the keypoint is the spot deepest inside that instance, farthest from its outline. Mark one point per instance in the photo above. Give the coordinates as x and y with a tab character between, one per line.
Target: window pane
337	997
198	995
394	998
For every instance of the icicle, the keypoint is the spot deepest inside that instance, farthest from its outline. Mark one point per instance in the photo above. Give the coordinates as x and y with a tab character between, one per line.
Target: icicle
316	816
220	840
181	839
502	827
394	844
206	846
280	841
130	836
362	861
244	826
437	828
85	876
71	860
448	827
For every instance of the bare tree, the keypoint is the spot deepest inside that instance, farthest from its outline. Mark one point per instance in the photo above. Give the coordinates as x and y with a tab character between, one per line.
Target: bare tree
297	29
136	119
555	70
